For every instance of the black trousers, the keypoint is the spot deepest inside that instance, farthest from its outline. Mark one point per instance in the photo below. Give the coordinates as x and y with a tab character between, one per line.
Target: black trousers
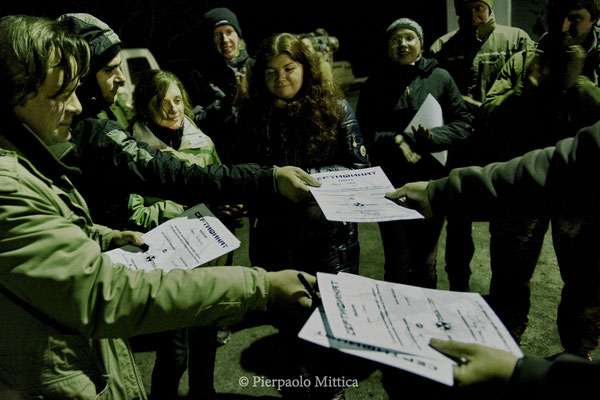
410	249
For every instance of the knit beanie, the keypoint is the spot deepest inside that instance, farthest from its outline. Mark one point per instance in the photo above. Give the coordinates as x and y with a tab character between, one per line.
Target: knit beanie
103	41
219	17
405	23
459	3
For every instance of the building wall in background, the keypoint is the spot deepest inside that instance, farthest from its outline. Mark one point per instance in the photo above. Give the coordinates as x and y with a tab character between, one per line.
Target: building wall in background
529	15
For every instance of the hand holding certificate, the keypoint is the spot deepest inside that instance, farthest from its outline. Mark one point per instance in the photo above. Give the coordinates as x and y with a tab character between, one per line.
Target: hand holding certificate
193	238
428	116
358	196
394	323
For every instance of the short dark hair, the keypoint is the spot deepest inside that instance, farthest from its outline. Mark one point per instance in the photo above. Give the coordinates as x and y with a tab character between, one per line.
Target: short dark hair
28	45
561	7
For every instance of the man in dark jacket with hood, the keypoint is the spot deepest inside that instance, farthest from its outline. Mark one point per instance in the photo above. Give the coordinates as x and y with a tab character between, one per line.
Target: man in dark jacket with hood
98	93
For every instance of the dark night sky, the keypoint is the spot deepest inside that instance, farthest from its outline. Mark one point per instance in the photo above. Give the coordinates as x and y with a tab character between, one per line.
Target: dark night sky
163	26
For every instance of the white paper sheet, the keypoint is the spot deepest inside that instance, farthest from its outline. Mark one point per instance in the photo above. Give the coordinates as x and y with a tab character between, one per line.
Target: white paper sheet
402	319
439	370
430	116
358	196
193	238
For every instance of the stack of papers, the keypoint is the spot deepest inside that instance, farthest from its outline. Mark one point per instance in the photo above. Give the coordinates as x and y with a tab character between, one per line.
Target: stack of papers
393	323
187	241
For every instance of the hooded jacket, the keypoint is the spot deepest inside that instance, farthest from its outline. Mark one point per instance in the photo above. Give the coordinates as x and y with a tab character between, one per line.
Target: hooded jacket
195	148
474	59
66	309
104	45
390	99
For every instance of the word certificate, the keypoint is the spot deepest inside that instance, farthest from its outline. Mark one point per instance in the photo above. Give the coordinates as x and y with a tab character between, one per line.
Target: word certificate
395	322
187	241
358	195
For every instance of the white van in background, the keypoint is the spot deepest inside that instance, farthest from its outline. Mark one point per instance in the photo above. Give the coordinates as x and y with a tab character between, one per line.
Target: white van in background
133	62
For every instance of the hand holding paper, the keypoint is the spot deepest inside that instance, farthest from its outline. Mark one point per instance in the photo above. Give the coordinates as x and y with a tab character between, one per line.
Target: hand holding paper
124	238
428	116
288	292
358	196
481	363
193	238
394	323
415	195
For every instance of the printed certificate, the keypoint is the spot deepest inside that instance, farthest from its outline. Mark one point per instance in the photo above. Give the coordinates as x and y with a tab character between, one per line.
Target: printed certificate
187	241
358	195
393	323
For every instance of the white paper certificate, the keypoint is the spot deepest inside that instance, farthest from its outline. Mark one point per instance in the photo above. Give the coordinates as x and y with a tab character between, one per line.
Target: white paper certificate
358	195
400	320
430	116
187	241
439	370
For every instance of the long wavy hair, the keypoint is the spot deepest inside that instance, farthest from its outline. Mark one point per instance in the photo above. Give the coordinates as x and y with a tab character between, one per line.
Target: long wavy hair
310	119
150	90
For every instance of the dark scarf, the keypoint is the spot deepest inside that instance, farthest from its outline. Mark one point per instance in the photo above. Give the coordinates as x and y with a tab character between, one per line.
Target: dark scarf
171	137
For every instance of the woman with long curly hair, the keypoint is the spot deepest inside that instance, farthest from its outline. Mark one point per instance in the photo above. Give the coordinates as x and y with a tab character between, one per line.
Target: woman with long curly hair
295	115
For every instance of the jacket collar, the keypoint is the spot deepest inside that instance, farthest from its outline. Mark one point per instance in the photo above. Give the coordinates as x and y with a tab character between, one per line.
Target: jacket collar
483	31
422	65
18	137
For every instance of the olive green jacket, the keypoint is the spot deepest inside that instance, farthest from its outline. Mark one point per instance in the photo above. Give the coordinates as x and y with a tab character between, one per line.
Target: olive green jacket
66	309
475	59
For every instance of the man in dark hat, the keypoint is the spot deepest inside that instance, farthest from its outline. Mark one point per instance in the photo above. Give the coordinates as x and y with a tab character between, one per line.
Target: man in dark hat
227	34
98	93
215	76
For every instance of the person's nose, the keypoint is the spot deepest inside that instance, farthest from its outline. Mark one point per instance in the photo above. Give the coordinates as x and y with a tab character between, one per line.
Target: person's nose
120	77
171	109
73	105
281	76
566	25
